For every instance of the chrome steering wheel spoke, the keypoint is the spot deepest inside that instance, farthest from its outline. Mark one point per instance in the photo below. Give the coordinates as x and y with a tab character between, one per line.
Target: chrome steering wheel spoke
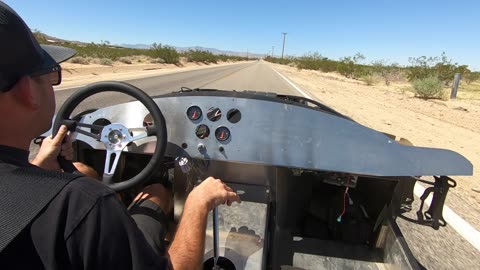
110	167
143	133
115	137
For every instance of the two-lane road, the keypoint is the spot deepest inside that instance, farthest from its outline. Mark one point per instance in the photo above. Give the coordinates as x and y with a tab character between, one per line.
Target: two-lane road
257	76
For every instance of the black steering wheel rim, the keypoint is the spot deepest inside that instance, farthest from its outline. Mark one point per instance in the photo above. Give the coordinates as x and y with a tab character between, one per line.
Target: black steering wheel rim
159	129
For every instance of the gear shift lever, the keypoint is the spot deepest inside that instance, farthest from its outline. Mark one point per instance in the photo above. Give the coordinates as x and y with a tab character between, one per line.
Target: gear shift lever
186	167
216	248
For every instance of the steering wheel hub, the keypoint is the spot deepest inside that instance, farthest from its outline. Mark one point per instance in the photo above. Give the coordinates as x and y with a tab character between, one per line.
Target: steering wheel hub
115	135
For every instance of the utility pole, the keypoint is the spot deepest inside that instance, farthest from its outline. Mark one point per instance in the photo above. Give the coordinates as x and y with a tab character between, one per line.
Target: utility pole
284	34
247	54
273	47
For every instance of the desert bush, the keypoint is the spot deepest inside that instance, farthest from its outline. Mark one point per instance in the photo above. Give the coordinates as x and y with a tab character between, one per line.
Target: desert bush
201	56
80	60
157	61
441	67
311	61
369	80
471	77
316	61
281	61
429	87
349	67
361	71
125	60
168	53
388	72
105	62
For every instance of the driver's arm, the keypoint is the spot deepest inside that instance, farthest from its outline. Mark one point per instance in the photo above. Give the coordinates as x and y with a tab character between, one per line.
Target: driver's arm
187	248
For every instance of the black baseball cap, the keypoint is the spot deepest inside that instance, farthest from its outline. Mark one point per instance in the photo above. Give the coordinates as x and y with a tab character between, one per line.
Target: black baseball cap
20	52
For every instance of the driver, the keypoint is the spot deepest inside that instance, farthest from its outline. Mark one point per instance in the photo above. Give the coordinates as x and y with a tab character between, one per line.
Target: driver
84	226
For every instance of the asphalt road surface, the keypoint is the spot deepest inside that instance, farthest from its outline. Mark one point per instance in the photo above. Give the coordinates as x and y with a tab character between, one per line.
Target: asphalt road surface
442	249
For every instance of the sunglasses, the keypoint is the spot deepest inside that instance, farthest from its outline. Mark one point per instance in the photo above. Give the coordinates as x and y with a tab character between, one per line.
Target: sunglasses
54	74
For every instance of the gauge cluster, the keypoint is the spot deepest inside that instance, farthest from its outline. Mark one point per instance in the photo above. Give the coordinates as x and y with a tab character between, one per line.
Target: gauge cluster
222	133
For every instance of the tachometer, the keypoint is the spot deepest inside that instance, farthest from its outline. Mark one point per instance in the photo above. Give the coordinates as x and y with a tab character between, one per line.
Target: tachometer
214	114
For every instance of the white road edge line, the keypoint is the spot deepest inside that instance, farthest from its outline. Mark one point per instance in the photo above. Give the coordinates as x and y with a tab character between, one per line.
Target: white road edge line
294	86
467	231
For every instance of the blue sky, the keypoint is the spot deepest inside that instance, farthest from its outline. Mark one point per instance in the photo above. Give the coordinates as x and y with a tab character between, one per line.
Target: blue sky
384	29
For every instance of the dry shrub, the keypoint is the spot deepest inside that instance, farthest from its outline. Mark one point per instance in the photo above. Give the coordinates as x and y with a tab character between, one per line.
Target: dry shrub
125	60
80	60
429	87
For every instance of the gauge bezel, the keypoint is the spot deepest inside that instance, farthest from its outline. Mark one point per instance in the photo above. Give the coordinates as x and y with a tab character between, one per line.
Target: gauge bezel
229	134
194	108
208	131
210	111
229	115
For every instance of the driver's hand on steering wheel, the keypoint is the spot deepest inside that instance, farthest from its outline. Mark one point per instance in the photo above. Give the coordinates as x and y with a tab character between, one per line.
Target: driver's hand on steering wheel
51	148
213	192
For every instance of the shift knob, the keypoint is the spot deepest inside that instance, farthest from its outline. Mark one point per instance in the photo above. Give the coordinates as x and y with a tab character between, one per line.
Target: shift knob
184	164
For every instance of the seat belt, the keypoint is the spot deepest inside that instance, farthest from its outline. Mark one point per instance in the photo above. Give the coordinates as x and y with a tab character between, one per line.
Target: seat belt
24	193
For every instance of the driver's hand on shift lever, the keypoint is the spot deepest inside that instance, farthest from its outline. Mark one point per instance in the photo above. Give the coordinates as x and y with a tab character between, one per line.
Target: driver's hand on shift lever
213	192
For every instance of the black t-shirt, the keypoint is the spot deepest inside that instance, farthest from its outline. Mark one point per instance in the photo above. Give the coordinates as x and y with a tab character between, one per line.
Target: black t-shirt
83	227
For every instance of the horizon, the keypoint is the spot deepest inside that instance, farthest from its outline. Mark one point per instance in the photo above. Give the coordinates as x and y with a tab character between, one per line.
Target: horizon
380	30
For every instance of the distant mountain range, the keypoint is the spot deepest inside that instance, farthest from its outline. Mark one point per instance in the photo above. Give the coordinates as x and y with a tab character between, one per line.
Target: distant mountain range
52	39
183	49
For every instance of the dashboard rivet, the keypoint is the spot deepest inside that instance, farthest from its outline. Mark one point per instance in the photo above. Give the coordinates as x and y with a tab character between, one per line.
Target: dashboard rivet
221	149
184	145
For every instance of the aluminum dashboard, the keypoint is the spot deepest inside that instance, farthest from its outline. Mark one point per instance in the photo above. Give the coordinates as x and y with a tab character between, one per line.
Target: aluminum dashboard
279	134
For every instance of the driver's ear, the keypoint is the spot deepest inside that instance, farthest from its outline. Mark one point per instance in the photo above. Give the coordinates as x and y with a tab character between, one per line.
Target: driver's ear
25	94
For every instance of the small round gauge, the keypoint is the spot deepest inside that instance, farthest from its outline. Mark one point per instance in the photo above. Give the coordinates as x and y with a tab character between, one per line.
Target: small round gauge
234	116
202	131
194	113
222	134
214	114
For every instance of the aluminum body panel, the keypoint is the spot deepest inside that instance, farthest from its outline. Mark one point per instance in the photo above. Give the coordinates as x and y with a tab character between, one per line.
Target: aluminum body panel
279	134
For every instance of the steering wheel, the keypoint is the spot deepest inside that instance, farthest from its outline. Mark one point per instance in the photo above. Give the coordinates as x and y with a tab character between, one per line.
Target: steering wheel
115	137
